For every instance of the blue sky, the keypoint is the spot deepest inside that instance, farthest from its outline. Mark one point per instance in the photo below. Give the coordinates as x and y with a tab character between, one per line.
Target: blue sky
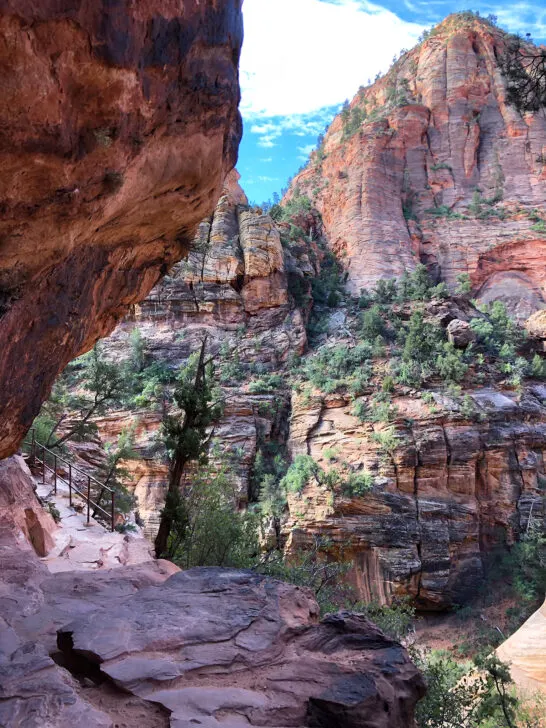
302	58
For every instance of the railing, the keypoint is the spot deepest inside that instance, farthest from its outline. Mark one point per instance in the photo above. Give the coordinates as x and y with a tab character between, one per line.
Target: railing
71	476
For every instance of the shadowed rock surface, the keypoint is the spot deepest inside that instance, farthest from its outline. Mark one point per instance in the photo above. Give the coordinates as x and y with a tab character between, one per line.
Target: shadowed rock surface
106	172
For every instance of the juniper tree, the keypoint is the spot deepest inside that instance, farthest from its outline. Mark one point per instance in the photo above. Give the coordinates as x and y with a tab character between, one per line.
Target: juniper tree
187	432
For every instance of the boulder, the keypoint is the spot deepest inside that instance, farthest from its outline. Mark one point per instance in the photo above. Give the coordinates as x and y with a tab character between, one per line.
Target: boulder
107	172
460	334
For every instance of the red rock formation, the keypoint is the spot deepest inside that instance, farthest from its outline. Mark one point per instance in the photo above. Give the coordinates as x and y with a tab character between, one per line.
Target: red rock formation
233	289
204	643
437	130
20	511
451	489
118	125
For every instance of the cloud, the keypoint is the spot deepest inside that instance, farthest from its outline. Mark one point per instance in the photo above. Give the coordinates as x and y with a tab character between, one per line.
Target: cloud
266	160
306	150
302	55
270	130
264	178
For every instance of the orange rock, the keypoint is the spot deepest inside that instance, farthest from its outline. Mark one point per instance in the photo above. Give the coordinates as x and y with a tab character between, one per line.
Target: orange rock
117	135
437	129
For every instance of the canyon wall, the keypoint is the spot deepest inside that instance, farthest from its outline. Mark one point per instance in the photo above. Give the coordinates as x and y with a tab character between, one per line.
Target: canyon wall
233	290
451	489
440	170
118	126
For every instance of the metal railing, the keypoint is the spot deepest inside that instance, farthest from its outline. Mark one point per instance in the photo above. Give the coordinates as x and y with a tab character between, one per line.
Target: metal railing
62	470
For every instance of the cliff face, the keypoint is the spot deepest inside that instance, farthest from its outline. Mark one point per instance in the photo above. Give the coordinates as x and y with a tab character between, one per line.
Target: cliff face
233	290
431	163
450	490
118	125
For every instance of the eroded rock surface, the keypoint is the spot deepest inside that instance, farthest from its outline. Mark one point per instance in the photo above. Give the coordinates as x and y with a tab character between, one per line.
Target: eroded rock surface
233	289
450	489
107	171
213	647
525	652
441	170
273	664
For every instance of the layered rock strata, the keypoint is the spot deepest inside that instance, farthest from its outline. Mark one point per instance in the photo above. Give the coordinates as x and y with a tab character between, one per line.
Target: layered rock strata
441	169
107	169
232	289
449	489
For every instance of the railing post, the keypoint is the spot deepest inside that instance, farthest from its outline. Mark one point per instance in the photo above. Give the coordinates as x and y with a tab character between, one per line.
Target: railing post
113	508
55	474
70	484
33	448
43	464
88	496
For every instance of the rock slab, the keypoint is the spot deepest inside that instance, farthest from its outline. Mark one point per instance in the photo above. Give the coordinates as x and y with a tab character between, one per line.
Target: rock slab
223	647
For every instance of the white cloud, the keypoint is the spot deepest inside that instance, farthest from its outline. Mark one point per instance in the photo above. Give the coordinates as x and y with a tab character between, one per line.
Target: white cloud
265	178
266	160
306	150
272	129
302	55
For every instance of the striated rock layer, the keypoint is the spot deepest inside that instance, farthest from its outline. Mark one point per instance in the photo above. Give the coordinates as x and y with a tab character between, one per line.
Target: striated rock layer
118	125
525	652
450	490
233	288
441	170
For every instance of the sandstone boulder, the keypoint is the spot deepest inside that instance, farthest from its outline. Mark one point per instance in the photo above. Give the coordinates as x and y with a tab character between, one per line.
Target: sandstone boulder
273	663
525	652
536	325
460	334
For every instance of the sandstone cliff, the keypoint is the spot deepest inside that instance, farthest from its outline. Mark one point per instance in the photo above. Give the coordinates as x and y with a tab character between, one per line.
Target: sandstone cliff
452	488
232	289
457	482
119	123
431	164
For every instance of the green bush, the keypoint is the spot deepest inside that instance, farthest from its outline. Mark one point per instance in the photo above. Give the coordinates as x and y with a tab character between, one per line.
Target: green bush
357	484
423	339
450	364
207	529
300	473
498	333
373	324
266	385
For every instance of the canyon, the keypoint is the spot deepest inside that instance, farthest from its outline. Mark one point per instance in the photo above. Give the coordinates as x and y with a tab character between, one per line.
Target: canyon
108	172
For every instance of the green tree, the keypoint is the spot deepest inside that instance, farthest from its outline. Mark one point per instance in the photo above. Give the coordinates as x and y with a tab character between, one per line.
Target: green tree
86	389
206	528
186	433
114	474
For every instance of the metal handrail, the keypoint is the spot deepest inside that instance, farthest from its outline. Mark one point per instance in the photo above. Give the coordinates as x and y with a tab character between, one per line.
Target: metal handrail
36	446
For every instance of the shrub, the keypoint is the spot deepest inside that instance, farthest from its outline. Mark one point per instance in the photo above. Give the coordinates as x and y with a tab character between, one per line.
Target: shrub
498	332
450	364
357	484
422	340
372	323
464	284
207	530
266	385
538	367
300	473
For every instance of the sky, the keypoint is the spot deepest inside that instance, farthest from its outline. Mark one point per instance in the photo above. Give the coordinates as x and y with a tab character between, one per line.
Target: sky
302	58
